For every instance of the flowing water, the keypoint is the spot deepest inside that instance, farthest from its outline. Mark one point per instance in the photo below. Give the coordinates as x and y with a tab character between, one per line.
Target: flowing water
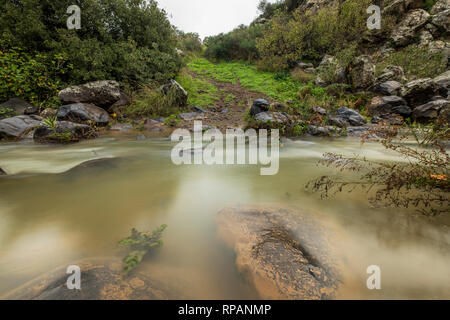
48	219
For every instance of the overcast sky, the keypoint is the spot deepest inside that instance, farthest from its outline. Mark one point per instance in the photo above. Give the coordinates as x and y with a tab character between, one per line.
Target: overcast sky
209	17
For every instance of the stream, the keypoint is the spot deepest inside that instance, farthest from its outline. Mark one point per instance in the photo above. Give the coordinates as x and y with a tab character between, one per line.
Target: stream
48	220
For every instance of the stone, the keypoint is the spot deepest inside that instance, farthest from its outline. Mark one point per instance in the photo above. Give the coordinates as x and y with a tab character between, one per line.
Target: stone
443	81
65	132
284	253
318	131
304	65
19	107
174	89
100	93
392	73
273	117
192	116
432	110
82	112
319	110
2	172
121	127
141	137
384	105
389	88
441	15
198	109
362	73
351	117
425	38
48	113
16	127
101	279
124	100
258	106
406	30
419	91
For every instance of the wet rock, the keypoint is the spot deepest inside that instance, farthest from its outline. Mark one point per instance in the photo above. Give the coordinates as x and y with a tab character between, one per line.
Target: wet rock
141	137
82	112
101	279
95	167
48	113
175	90
432	110
18	107
392	73
406	30
192	116
389	88
283	253
362	72
154	126
350	117
64	132
419	91
403	111
384	105
258	106
100	93
121	127
2	172
16	127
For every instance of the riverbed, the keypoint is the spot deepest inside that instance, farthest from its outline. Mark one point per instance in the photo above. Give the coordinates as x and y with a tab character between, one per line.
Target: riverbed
48	219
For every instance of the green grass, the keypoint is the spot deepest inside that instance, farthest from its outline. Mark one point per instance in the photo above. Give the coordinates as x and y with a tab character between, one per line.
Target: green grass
280	89
201	92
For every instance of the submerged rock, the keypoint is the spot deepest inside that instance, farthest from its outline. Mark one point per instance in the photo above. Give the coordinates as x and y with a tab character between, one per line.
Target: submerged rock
101	279
16	127
284	253
95	167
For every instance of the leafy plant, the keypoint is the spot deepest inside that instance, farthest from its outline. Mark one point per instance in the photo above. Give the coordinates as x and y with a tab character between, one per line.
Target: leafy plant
421	182
140	244
51	122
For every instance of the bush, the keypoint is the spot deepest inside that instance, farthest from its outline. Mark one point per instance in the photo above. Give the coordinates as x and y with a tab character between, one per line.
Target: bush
306	35
130	41
417	62
190	42
240	44
32	77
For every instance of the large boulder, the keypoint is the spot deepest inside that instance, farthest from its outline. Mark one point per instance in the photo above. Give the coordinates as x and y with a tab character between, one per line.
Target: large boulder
258	106
284	253
175	90
347	117
63	132
443	81
362	73
419	91
405	32
16	127
101	279
441	15
16	107
389	88
381	106
392	73
82	113
432	110
101	93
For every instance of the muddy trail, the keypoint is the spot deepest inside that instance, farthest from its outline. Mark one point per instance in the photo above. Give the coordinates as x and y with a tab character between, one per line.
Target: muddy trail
225	113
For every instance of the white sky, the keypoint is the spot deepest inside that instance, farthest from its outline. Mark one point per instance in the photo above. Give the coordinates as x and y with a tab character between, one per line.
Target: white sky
209	17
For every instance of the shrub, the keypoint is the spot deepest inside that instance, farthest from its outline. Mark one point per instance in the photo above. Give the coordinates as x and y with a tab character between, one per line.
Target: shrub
417	62
32	77
190	42
130	41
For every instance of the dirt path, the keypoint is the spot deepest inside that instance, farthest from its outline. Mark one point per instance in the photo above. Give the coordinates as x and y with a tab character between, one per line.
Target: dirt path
231	107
